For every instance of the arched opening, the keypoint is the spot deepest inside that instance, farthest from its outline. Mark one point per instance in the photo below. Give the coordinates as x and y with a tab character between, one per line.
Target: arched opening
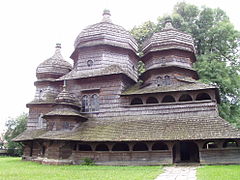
159	81
95	102
140	147
210	145
40	121
185	97
84	147
152	100
185	151
136	101
168	98
102	147
120	147
203	96
43	150
85	104
159	146
230	143
167	80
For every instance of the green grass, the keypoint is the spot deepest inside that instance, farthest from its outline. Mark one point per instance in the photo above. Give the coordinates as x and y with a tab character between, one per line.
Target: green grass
16	169
221	172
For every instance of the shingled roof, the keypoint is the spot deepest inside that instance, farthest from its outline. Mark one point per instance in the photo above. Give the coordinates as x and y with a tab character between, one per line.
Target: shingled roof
191	86
169	38
105	32
109	70
143	128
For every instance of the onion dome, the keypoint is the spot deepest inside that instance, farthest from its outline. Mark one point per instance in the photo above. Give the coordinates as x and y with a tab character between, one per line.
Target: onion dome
106	33
53	67
65	97
169	38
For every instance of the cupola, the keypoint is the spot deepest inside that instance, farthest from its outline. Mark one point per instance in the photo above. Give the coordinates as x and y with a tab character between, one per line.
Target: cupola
105	32
54	67
169	38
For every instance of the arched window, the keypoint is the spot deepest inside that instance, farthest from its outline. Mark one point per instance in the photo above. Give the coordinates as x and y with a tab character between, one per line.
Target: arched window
94	102
102	147
185	97
120	147
152	100
84	147
159	146
168	98
210	145
203	96
167	80
136	101
140	147
159	81
85	104
230	143
40	121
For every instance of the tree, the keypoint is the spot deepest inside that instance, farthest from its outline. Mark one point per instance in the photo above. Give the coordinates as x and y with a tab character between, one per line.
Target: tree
217	49
15	127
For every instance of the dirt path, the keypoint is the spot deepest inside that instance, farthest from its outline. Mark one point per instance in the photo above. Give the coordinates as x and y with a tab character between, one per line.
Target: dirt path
178	173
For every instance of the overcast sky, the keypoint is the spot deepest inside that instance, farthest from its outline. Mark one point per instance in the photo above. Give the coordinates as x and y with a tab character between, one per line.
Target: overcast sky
29	30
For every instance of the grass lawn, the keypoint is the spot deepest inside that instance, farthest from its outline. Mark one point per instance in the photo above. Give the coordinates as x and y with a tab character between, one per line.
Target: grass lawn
15	169
221	172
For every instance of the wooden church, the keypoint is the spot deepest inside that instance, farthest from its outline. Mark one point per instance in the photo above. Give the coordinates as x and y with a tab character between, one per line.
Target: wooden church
101	109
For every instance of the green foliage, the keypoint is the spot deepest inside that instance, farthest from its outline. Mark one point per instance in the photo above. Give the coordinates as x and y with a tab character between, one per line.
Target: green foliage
217	46
88	162
231	172
14	168
15	127
143	32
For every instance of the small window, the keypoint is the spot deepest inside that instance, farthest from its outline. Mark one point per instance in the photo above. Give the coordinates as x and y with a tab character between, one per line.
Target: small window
85	104
136	101
40	121
120	147
167	80
210	145
84	147
152	100
230	143
203	96
168	98
140	147
94	103
159	81
185	97
89	63
51	126
159	146
102	147
66	125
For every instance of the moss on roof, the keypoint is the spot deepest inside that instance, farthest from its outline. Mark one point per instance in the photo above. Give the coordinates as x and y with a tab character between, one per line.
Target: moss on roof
138	89
146	128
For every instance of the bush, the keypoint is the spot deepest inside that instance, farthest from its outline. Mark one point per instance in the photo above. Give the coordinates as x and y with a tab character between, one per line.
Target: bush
88	162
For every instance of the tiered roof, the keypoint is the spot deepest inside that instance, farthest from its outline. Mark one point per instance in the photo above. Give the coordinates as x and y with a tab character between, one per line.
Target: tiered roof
105	32
169	38
53	67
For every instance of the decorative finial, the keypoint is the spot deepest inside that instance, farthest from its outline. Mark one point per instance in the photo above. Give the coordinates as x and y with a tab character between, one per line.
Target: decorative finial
57	54
168	24
106	16
58	45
